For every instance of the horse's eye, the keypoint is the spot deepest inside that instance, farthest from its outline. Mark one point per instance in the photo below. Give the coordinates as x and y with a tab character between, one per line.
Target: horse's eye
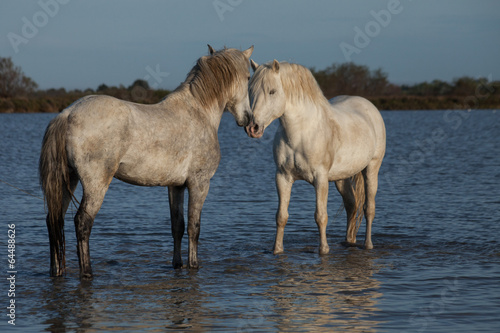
249	78
272	91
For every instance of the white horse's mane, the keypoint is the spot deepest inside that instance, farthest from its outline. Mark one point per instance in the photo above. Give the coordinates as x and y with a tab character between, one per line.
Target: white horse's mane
297	81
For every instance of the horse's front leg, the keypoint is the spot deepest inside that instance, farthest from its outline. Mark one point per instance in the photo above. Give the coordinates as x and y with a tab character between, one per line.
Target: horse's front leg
321	213
198	191
284	188
176	202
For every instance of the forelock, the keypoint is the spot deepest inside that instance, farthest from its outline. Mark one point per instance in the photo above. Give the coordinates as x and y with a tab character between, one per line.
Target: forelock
297	81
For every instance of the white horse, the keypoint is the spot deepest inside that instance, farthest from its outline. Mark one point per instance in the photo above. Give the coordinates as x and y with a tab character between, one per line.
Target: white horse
173	143
318	141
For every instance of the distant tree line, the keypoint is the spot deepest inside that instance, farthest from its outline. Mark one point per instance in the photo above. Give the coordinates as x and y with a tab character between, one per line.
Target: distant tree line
351	79
13	82
19	93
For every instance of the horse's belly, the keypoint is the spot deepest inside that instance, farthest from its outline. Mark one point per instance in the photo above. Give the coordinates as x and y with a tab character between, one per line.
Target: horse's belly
348	166
152	174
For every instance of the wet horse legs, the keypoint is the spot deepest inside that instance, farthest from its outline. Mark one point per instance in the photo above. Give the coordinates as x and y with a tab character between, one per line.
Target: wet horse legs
176	201
284	188
198	191
321	213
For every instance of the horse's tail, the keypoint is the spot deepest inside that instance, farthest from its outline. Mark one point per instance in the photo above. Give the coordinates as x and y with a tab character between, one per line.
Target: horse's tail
54	176
358	184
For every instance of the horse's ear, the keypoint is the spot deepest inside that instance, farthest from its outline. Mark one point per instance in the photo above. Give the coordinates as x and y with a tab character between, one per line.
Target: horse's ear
276	66
248	52
254	65
211	49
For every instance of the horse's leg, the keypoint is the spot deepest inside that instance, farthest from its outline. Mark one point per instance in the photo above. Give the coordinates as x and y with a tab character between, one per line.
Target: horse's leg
284	187
321	213
371	183
345	189
176	201
198	191
93	196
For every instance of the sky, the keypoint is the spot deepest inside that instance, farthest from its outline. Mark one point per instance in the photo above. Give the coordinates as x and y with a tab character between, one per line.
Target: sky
76	44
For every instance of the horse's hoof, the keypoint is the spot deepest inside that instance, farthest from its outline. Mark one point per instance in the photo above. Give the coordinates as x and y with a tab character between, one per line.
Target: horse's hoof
194	265
85	276
278	251
369	246
324	250
177	265
56	273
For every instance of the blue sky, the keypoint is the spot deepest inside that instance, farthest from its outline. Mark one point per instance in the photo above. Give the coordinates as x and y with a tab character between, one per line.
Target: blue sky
79	44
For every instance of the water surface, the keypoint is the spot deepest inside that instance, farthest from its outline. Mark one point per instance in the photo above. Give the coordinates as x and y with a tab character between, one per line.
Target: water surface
435	266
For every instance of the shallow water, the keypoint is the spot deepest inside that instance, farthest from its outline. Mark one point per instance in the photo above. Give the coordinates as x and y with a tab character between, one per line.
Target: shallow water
435	266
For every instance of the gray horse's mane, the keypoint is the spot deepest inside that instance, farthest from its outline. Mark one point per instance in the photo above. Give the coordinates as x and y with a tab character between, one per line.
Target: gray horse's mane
215	76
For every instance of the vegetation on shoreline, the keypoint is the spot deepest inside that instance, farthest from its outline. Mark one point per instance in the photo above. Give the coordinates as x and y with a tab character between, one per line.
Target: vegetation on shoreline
18	93
56	100
462	93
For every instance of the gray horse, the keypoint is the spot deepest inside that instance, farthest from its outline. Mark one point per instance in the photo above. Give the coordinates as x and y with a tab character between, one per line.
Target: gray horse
173	143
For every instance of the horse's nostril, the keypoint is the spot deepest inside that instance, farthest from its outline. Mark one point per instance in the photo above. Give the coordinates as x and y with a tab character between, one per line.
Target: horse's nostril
256	128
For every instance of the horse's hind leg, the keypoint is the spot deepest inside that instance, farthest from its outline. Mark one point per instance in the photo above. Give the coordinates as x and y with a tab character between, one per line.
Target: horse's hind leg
176	201
345	189
93	196
371	185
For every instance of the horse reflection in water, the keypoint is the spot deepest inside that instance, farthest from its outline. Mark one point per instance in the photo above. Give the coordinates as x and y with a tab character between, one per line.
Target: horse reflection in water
317	141
173	143
176	303
339	295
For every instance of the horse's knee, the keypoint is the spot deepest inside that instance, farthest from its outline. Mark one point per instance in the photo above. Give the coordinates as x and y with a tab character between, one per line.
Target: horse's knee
281	219
321	218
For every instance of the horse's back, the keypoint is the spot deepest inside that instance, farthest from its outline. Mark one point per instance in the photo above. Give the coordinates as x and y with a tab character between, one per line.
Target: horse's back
356	105
350	107
143	144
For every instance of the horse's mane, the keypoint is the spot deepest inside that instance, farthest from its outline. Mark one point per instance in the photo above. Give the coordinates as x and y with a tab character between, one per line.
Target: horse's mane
297	81
214	76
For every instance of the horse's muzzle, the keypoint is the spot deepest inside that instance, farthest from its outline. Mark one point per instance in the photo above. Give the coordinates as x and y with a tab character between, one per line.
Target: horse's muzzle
254	130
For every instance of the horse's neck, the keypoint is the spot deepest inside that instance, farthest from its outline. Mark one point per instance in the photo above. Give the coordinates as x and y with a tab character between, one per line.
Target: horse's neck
182	99
304	118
